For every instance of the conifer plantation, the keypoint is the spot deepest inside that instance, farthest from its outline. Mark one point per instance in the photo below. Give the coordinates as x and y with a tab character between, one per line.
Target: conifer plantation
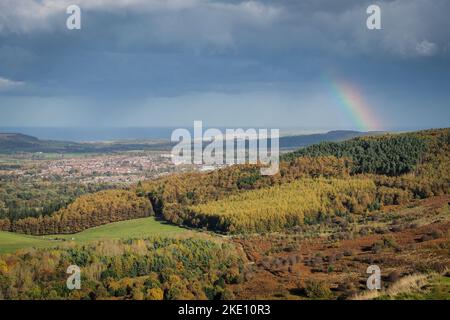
86	212
283	206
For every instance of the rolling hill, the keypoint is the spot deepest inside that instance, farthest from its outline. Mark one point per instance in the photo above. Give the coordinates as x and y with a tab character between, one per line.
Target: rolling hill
17	142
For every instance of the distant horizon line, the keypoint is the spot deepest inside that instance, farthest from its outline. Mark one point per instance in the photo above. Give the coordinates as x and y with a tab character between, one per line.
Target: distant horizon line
87	134
349	128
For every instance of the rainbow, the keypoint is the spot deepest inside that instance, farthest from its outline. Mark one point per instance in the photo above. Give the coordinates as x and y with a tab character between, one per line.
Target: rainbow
353	104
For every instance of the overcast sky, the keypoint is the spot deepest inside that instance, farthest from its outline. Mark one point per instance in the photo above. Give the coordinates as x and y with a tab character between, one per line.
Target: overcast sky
228	63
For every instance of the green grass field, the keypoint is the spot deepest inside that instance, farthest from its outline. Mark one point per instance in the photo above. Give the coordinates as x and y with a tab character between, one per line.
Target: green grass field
137	228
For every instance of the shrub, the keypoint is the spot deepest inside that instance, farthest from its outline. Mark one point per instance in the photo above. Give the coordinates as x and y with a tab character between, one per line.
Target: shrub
393	276
317	290
5	224
426	237
376	248
436	234
348	252
154	294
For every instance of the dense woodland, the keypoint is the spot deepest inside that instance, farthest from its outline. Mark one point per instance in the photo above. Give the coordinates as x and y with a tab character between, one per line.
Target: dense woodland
402	167
283	206
151	269
171	195
388	155
25	197
290	204
86	212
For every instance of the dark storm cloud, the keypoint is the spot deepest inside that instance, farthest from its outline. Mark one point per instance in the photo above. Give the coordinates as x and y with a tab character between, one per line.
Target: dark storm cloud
130	51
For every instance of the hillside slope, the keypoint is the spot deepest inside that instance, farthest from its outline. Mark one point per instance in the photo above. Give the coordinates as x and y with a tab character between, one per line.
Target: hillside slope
403	167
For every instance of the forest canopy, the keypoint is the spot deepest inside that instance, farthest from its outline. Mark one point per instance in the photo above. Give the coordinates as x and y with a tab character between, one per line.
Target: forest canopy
86	212
390	155
141	269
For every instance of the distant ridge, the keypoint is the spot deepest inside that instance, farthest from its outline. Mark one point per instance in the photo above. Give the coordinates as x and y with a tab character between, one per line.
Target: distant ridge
290	142
17	142
17	137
